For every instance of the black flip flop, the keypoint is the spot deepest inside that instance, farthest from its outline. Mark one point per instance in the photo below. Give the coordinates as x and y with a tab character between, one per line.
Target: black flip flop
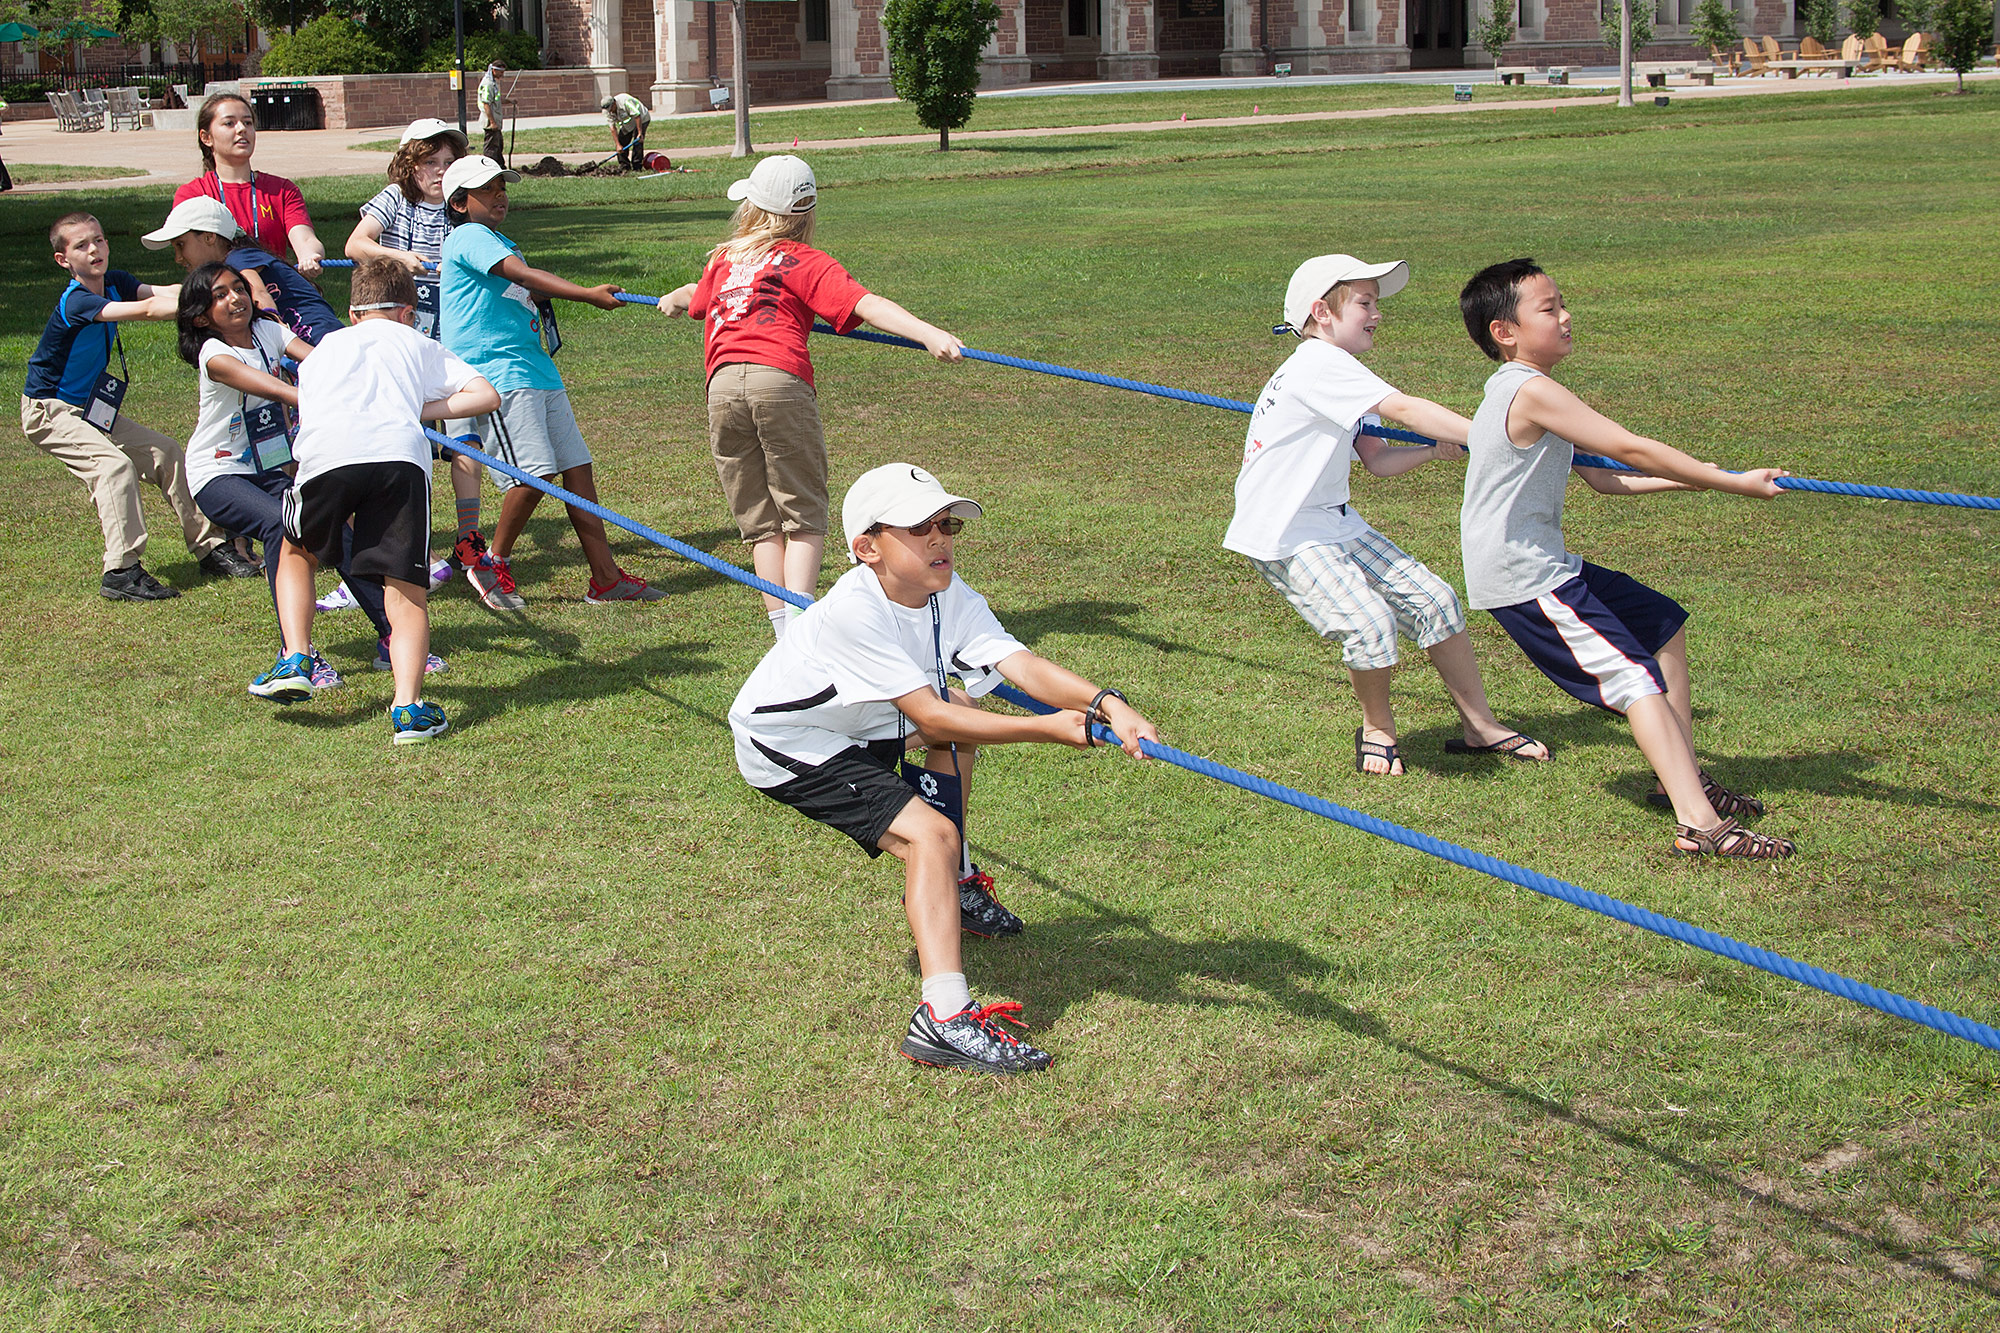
1375	750
1507	747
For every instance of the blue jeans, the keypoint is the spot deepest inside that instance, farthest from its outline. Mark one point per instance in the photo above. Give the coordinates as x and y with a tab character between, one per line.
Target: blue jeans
254	507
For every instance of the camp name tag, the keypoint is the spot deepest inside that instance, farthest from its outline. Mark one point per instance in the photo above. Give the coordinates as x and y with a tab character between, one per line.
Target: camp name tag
427	308
102	410
270	432
551	335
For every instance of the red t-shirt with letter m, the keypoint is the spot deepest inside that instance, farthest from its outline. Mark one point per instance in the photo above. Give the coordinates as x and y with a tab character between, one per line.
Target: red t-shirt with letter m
761	310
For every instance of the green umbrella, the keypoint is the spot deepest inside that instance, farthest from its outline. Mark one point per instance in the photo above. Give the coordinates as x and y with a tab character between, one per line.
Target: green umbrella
16	32
76	30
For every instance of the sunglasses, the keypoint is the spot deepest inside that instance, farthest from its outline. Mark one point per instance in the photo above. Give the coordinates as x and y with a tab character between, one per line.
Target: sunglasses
949	524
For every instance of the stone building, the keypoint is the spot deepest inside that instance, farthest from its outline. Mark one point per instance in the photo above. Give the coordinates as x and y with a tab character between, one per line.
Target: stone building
672	52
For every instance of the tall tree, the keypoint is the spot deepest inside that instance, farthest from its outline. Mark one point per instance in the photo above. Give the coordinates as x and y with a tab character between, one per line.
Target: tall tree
934	49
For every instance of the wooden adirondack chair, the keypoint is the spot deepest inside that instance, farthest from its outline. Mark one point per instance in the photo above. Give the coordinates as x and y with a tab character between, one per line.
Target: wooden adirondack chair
1875	52
1725	61
1810	49
1916	52
1850	49
1755	62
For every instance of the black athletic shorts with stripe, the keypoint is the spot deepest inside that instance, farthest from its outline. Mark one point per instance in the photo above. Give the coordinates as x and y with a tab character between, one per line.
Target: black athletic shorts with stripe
390	504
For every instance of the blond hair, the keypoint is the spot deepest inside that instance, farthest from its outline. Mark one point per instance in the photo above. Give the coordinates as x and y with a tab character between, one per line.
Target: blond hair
1338	295
752	232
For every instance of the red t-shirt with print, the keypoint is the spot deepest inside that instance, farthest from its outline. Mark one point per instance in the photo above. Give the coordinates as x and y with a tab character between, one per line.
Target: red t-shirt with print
279	206
760	310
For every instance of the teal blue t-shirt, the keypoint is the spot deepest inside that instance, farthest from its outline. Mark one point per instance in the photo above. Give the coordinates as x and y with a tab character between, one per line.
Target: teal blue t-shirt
490	323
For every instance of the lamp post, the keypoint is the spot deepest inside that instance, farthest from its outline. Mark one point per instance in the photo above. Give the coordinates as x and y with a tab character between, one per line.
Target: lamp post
458	23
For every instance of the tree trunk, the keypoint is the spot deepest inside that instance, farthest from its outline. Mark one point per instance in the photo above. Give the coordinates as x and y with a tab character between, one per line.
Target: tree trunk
739	46
1624	52
944	139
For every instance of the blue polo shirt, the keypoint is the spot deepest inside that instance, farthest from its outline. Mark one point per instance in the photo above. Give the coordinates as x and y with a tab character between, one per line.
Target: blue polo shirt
75	347
300	304
490	323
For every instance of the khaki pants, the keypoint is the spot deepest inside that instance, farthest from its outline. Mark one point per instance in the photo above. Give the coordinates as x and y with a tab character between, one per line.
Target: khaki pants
770	453
111	468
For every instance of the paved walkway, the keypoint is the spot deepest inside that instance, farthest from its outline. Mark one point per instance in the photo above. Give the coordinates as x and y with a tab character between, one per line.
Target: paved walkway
173	156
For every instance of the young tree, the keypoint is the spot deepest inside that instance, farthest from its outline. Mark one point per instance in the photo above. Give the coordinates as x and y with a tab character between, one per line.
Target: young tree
1964	28
1864	17
1642	24
1495	28
1715	26
1822	20
934	48
1918	15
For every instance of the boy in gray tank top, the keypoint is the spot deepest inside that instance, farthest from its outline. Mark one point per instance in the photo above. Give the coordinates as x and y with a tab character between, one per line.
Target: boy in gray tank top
1603	636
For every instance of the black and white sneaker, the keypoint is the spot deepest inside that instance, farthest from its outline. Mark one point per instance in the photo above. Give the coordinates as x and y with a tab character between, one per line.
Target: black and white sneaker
134	584
979	912
224	562
973	1039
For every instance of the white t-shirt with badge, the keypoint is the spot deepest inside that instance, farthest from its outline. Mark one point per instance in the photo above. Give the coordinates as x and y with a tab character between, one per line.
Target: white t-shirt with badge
219	445
1297	453
827	685
361	394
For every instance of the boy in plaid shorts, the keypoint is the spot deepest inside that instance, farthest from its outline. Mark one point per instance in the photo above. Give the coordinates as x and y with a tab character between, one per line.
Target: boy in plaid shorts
1293	519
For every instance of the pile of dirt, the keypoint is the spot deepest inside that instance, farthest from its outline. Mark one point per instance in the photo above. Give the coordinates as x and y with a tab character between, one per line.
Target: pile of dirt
550	166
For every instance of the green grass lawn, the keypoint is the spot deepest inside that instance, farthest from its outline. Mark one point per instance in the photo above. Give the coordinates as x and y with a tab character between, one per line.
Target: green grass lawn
552	1024
38	173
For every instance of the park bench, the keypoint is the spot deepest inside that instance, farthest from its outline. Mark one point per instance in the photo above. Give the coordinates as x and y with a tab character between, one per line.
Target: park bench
126	106
1514	73
1791	69
1656	71
72	113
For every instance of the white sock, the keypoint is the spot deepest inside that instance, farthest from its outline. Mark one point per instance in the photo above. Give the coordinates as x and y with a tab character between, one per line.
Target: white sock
946	993
781	618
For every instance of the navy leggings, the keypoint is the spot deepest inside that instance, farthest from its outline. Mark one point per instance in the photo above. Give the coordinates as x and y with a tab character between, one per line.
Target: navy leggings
254	507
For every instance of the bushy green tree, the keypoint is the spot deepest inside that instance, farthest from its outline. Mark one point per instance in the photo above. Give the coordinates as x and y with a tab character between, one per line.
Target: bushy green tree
1823	20
1642	25
329	44
1864	17
1917	15
517	50
934	48
1495	28
1964	27
1715	26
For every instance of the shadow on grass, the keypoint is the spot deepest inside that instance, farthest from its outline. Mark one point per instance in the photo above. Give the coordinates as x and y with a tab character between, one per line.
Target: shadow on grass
1106	949
1107	619
549	559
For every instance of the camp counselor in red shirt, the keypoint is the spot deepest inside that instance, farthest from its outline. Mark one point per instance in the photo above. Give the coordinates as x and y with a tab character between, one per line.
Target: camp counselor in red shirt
760	310
278	206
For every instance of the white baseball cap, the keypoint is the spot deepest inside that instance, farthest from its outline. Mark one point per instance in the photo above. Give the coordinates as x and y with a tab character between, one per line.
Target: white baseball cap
898	495
469	173
783	184
199	213
1316	277
430	127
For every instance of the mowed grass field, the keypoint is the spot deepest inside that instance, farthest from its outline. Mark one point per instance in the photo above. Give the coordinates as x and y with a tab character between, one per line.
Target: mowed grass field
553	1024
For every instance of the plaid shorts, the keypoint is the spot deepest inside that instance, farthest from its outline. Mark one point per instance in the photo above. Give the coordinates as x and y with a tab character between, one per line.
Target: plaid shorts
1361	592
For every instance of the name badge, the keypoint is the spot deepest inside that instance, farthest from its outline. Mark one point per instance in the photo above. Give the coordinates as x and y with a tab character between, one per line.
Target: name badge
102	410
551	335
270	432
427	309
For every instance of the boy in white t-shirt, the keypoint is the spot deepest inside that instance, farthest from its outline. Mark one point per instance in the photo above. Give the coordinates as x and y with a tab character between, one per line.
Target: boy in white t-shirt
860	678
362	453
1293	519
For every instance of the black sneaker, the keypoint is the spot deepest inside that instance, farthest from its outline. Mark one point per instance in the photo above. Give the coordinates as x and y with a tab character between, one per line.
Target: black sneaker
979	912
973	1039
134	584
225	563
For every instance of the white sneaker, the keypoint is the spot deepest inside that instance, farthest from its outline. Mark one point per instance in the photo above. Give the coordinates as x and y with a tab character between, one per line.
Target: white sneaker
340	599
440	574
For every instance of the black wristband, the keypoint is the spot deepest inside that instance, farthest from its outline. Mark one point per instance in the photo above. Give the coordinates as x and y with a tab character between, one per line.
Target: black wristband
1094	713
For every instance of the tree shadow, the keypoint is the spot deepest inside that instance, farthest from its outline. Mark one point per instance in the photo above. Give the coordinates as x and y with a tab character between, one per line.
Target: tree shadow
1107	620
1102	948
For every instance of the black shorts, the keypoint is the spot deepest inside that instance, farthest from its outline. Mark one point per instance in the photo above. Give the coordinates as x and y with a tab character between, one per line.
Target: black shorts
857	792
390	504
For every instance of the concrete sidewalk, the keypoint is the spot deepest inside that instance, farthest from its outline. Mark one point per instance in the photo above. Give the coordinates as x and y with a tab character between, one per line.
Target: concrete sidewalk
173	156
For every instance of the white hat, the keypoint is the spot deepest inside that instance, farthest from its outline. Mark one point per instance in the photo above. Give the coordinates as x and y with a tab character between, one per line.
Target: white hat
200	212
898	495
783	184
469	173
430	127
1316	277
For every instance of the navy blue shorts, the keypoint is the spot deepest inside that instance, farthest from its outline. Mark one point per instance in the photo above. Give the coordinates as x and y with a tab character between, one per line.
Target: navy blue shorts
1596	635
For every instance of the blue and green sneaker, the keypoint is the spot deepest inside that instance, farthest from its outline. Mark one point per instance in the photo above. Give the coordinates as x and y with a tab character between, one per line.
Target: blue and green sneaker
417	722
288	681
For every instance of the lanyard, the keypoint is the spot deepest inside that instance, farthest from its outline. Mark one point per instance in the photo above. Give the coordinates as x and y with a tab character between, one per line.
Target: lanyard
937	648
216	176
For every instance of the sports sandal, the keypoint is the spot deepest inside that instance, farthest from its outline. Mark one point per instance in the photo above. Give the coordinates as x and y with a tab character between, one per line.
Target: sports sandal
1727	803
1507	747
1730	838
1366	749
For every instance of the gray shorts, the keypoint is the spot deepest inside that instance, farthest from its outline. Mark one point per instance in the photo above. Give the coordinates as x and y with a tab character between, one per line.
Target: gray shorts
536	431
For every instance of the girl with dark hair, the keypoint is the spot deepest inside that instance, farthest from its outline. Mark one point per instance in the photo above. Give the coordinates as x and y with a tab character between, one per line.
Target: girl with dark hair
268	207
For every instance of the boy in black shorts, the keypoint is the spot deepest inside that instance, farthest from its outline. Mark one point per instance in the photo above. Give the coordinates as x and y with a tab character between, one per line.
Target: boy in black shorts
861	677
364	395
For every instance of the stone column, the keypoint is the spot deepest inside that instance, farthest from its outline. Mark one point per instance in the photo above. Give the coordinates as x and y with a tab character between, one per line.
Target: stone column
1129	47
860	51
680	73
1005	63
1242	53
607	46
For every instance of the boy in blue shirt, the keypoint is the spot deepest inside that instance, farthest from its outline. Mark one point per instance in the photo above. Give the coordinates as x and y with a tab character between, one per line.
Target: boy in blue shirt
1602	636
493	319
69	409
202	231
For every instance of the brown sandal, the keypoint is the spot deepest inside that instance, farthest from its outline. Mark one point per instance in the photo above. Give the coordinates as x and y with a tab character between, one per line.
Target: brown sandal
1727	803
1730	838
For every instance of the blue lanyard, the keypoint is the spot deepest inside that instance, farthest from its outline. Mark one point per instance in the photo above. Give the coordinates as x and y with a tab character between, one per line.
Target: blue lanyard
254	221
937	648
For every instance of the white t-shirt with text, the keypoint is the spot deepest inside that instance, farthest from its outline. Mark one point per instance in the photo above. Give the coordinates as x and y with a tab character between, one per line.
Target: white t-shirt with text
219	446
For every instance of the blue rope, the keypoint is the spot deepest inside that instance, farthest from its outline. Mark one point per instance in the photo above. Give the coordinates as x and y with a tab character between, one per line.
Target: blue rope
349	263
1832	983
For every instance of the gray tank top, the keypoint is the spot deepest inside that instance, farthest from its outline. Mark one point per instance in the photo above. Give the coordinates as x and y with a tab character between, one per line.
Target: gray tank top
1510	526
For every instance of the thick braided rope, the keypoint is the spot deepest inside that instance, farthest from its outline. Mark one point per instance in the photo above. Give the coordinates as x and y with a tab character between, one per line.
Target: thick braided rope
1721	945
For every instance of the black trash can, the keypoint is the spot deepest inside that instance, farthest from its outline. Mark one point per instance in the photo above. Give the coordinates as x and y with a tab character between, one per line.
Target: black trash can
289	108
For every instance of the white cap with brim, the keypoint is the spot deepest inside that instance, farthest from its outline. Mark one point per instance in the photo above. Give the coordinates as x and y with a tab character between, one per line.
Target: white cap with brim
1317	276
430	127
470	173
897	494
200	213
783	185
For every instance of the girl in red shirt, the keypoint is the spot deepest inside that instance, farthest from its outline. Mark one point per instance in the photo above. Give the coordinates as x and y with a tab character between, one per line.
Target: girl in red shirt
757	300
269	207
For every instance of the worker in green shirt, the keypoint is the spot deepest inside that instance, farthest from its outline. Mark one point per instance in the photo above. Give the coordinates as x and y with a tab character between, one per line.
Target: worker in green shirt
493	144
629	119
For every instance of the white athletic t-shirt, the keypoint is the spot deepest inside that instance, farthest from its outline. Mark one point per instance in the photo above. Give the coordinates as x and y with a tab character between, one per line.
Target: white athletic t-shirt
361	393
219	446
1297	453
827	685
